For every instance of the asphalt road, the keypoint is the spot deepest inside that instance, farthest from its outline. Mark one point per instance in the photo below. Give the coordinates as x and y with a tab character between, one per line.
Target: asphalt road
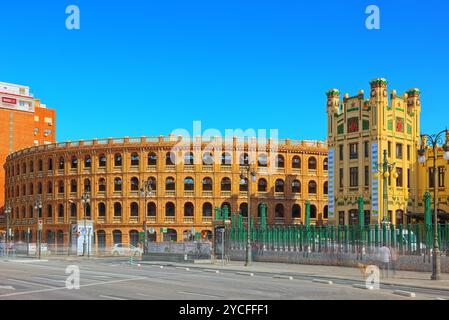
115	279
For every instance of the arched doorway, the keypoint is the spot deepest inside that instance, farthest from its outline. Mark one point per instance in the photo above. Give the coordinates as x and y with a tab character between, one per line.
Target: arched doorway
117	236
399	217
134	237
171	235
101	240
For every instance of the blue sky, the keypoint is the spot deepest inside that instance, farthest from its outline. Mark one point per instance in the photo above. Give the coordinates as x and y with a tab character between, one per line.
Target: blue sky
146	67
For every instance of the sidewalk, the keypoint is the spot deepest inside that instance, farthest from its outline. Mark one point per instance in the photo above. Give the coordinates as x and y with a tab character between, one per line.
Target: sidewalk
403	278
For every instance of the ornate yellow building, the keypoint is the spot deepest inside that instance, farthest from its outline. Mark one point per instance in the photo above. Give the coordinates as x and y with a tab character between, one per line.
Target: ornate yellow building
187	183
361	132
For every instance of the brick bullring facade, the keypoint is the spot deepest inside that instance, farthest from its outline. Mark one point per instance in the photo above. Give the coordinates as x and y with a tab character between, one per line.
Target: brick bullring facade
187	183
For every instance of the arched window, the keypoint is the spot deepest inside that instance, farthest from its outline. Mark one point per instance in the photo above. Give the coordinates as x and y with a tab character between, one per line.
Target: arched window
31	189
280	161
73	210
101	239
49	187
152	159
296	211
296	162
102	161
325	188
188	209
151	209
262	185
24	168
61	211
169	209
49	212
134	237
87	161
243	209
60	186
189	158
31	166
244	159
312	163
226	184
134	184
87	185
207	184
226	158
279	186
208	158
50	164
117	236
102	185
134	159
296	186
117	209
117	184
39	187
73	186
325	164
101	210
312	212
325	212
243	185
152	183
207	209
262	160
40	165
118	160
74	162
134	209
170	184
88	211
226	204
312	187
279	211
189	184
61	163
170	159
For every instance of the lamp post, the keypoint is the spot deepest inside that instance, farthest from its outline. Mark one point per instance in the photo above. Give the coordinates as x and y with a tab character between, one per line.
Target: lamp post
85	199
7	235
38	207
386	169
433	141
250	175
146	191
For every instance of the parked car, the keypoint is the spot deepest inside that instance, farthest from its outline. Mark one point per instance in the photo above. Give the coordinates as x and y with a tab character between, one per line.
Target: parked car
121	249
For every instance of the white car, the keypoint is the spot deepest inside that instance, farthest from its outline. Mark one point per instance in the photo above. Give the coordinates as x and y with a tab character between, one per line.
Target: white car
122	249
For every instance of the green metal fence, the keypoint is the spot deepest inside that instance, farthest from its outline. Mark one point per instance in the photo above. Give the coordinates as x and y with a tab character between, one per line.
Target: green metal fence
412	239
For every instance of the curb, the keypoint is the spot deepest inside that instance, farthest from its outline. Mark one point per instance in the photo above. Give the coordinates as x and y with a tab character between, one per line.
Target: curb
322	281
250	274
282	277
405	293
363	286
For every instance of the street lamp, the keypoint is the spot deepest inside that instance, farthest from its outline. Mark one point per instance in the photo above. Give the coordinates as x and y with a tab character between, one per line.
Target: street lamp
433	141
386	169
250	176
38	207
146	191
7	213
85	200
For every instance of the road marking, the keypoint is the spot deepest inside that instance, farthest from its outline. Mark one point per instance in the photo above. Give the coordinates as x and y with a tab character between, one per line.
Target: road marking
27	261
245	274
182	268
322	281
64	288
102	277
7	288
32	283
211	270
280	276
363	286
112	297
405	293
198	294
48	279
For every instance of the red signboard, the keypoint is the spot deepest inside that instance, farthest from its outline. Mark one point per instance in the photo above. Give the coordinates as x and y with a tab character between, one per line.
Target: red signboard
9	100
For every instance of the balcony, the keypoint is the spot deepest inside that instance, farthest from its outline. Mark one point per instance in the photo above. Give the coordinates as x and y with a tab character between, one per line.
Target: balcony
169	220
297	220
279	220
207	219
225	168
296	171
49	221
170	193
226	193
151	219
312	172
189	167
207	193
189	193
208	167
60	172
134	220
280	170
101	170
170	167
60	220
151	168
243	194
189	219
101	220
117	219
279	195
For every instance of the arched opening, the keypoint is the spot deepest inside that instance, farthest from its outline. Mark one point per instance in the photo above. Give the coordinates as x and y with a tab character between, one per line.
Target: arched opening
73	210
102	185
296	211
225	184
262	160
152	159
101	240
325	213
170	159
102	161
169	209
296	186
87	161
207	209
101	210
244	159
279	211
134	184
74	163
280	161
117	236
134	159
189	184
189	158
207	184
73	186
325	188
171	235
226	159
170	184
208	158
60	238
117	184
325	164
312	163
151	209
313	212
243	209
188	209
312	187
118	160
279	186
61	164
134	209
262	185
134	237
243	186
117	209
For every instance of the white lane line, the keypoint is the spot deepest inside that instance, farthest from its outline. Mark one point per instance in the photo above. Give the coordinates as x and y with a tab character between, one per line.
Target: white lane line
198	294
32	283
112	297
7	288
48	279
64	288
